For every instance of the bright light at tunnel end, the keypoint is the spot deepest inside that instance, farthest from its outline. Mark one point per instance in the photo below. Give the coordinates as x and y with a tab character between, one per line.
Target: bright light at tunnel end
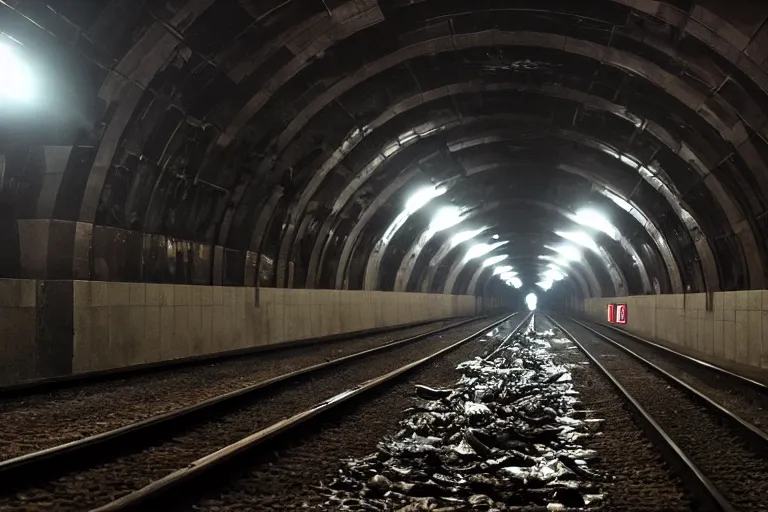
531	300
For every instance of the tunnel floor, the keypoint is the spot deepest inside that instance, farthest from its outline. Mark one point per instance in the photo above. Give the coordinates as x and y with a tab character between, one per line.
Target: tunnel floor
520	412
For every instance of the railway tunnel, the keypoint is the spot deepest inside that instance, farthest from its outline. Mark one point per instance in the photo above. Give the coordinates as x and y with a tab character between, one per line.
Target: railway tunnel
184	181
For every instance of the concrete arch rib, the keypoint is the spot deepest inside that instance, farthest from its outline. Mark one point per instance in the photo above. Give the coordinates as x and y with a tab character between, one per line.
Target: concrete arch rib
574	276
318	250
472	288
736	219
704	250
408	261
706	256
613	272
580	272
609	56
674	271
729	42
590	282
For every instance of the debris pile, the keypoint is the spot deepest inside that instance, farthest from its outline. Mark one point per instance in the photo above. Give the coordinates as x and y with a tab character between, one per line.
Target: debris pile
507	435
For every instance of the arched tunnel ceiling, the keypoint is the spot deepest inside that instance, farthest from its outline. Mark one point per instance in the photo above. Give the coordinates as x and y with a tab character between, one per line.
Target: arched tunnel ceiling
276	143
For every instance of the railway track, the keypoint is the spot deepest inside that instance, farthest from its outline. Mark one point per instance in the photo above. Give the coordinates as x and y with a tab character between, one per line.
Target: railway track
121	375
743	396
144	461
47	419
720	456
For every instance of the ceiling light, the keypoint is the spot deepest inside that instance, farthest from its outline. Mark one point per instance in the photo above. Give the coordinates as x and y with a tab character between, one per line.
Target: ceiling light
446	217
516	283
556	267
568	252
579	237
562	262
544	285
552	274
501	270
595	220
506	276
495	237
481	250
462	237
423	196
15	79
494	260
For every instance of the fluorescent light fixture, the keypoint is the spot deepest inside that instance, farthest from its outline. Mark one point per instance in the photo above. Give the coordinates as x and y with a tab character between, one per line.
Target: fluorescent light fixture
421	197
507	276
544	285
501	270
579	237
481	250
557	261
446	217
494	260
15	76
462	237
531	301
495	237
516	283
569	252
596	220
557	267
552	274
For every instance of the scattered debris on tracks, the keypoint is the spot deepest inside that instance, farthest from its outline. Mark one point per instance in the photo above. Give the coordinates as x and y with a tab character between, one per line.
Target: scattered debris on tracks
506	435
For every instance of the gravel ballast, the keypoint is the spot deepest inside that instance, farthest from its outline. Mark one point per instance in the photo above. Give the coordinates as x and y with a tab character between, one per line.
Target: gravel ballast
110	480
717	450
740	398
288	479
45	420
642	481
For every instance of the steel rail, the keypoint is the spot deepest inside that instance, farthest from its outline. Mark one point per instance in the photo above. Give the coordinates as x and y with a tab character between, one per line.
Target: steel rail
754	434
165	488
505	341
687	469
37	386
741	378
26	469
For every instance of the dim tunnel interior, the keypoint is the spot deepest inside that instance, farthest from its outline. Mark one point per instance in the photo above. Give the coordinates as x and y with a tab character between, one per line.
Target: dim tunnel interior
602	148
450	254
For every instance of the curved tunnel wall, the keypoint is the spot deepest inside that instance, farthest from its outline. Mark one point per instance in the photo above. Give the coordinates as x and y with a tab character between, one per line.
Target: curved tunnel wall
274	144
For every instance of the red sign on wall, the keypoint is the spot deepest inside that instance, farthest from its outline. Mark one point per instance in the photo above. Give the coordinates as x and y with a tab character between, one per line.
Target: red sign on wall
621	314
612	313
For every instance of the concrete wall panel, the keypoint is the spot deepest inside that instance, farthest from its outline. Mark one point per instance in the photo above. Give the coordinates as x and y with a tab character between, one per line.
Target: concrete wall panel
145	323
52	328
732	333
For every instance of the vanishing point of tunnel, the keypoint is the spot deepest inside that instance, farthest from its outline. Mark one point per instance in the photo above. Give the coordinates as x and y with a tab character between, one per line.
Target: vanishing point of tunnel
189	182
